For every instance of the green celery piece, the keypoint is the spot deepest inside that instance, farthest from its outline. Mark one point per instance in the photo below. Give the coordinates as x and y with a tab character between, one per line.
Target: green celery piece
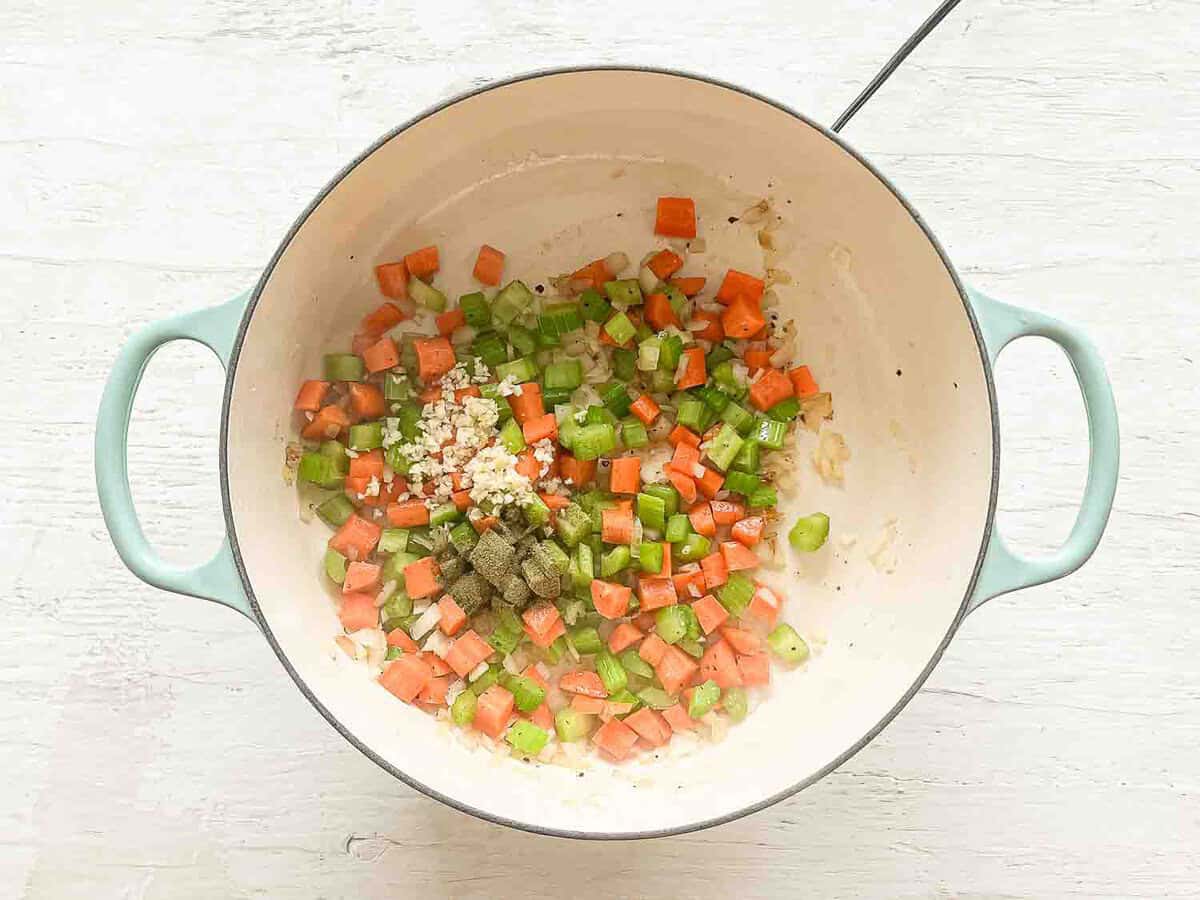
463	537
713	398
335	566
611	672
724	447
571	725
514	298
594	306
704	698
690	414
586	640
739	417
521	370
809	533
669	353
633	433
785	410
537	513
441	515
527	693
491	348
526	738
624	363
486	680
553	396
620	328
735	703
786	644
694	547
336	510
770	433
762	496
560	318
656	698
635	665
393	540
343	367
676	298
741	483
592	441
749	457
321	470
393	567
616	399
462	710
523	340
668	495
679	526
582	571
512	437
397	388
624	292
573	524
661	382
671	624
476	309
652	511
599	415
650	556
736	593
615	560
567	373
426	295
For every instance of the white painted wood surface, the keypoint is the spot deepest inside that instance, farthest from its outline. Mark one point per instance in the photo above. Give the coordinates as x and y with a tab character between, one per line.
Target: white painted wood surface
152	156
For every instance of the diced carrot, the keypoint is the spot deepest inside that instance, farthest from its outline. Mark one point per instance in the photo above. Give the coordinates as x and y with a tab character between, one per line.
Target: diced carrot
596	272
754	668
408	514
742	318
493	710
623	637
645	408
406	677
676	217
674	670
709	613
527	464
616	526
436	664
421	577
382	320
644	621
615	738
664	570
431	394
311	395
388	492
758	358
327	424
451	319
589	705
625	475
542	717
555	501
678	719
701	517
361	576
689	287
764	605
713	431
461	394
665	263
577	472
358	611
682	483
748	530
534	674
695	373
685	459
483	523
803	382
366	400
356	538
689	582
540	620
655	593
650	726
713	331
738	556
716	573
659	312
453	617
612	709
529	404
435	357
611	600
489	266
393	280
652	649
466	653
360	342
381	355
719	664
356	485
422	263
682	435
367	465
582	682
710	482
398	637
727	512
771	388
461	500
540	428
549	637
740	640
434	692
739	284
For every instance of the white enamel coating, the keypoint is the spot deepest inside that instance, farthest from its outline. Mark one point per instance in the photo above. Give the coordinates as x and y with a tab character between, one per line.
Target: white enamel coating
541	168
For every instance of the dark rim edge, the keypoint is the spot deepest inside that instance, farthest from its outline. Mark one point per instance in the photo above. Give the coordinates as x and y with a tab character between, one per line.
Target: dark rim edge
231	530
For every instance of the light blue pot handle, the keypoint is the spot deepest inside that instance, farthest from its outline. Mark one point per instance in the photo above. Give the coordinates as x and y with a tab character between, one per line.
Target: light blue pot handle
218	578
1003	569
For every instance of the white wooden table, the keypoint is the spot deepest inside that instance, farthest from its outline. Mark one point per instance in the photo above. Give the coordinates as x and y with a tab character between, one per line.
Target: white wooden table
152	156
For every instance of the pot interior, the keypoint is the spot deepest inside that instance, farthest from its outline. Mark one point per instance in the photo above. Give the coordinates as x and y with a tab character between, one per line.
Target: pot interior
557	170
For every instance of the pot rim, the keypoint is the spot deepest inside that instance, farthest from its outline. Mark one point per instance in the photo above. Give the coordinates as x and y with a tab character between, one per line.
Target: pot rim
231	528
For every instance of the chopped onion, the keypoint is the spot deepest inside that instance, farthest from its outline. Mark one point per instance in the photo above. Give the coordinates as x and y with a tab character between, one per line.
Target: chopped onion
698	245
616	263
437	643
478	672
464	334
647	280
427	621
648	354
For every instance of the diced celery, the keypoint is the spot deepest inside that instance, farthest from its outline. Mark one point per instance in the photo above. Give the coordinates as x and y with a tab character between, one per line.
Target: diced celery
393	653
514	298
568	428
717	355
520	370
335	565
526	738
527	693
553	397
462	710
671	623
633	433
736	593
546	342
486	680
769	433
463	537
393	566
652	511
642	332
624	292
741	482
599	415
650	556
611	672
594	306
336	510
393	540
536	511
565	374
592	441
398	606
582	567
343	367
704	698
443	514
739	417
748	458
661	382
808	534
624	696
560	318
572	524
724	447
690	413
397	387
624	363
585	639
669	353
679	527
787	644
726	378
366	436
713	398
615	560
668	495
762	496
523	340
476	309
785	410
656	698
694	547
635	665
676	298
620	328
648	352
734	702
512	437
491	348
321	470
426	295
571	725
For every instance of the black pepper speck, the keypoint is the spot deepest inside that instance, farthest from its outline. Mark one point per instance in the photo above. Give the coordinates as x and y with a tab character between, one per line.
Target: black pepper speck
733	219
540	288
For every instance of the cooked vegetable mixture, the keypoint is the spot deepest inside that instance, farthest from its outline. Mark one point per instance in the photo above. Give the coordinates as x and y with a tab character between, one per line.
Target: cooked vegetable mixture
548	514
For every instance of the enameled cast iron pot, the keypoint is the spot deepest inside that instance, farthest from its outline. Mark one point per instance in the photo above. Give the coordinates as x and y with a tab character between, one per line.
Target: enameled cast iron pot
564	166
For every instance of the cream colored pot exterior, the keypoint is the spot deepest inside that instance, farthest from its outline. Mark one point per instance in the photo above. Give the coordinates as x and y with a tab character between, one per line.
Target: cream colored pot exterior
566	167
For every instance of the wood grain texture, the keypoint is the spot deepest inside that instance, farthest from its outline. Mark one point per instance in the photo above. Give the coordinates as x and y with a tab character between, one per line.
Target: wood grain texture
150	158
